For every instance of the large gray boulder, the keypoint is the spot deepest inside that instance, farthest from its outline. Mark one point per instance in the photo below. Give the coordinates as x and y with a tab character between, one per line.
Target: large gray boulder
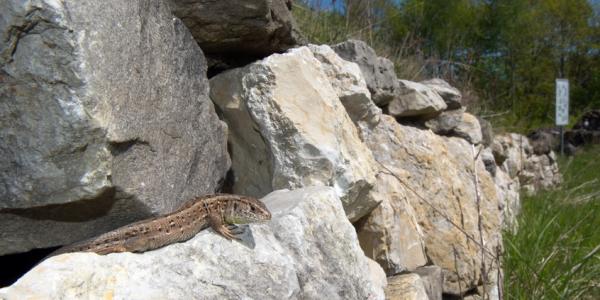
308	250
378	71
445	122
289	129
416	99
450	94
251	27
104	117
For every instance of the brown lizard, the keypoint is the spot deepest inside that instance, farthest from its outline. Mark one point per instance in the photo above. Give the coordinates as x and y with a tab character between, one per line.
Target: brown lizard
216	211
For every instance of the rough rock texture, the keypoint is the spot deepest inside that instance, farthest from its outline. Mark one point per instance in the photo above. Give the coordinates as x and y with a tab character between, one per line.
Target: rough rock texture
451	95
540	173
350	85
534	172
469	129
258	27
104	118
379	72
307	251
447	185
415	99
376	274
405	287
390	234
544	140
445	122
433	281
487	132
512	149
288	129
488	160
510	200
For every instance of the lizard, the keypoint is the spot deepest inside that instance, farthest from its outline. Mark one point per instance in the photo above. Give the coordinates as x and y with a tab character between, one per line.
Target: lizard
216	211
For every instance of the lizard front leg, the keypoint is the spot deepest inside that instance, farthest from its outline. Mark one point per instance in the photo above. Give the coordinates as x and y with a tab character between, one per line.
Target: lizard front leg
217	224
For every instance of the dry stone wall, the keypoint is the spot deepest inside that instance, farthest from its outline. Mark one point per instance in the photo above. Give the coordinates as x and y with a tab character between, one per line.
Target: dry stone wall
107	119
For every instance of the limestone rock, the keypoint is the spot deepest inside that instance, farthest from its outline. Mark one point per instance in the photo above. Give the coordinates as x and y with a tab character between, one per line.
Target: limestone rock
510	200
469	129
451	95
288	129
308	250
447	187
405	287
105	118
487	132
488	160
379	72
377	274
415	99
433	281
544	140
349	83
446	121
390	233
534	172
258	27
540	173
514	149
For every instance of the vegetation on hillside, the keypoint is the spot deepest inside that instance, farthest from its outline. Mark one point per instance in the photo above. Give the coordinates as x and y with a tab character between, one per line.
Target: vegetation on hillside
556	252
504	55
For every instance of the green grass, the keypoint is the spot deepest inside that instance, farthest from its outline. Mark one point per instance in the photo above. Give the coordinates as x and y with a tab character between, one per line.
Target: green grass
556	252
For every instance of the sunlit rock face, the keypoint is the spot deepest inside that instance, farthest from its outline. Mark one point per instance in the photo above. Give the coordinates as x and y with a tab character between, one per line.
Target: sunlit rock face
414	99
515	156
289	129
308	250
441	170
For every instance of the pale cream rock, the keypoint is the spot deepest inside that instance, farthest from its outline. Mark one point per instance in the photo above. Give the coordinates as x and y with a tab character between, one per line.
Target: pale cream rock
288	129
308	250
405	287
440	169
390	234
469	129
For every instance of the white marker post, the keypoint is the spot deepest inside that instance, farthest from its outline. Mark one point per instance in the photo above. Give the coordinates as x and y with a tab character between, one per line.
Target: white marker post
562	109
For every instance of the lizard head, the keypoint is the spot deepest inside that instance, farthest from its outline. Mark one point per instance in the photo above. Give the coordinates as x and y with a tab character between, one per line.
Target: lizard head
246	210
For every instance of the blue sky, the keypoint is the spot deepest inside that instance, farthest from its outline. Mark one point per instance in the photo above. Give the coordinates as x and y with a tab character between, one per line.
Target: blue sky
339	4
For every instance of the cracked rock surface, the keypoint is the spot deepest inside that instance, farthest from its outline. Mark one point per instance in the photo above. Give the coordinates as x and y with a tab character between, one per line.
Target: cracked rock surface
104	118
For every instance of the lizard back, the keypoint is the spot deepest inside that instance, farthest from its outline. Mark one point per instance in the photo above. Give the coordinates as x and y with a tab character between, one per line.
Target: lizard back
178	226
